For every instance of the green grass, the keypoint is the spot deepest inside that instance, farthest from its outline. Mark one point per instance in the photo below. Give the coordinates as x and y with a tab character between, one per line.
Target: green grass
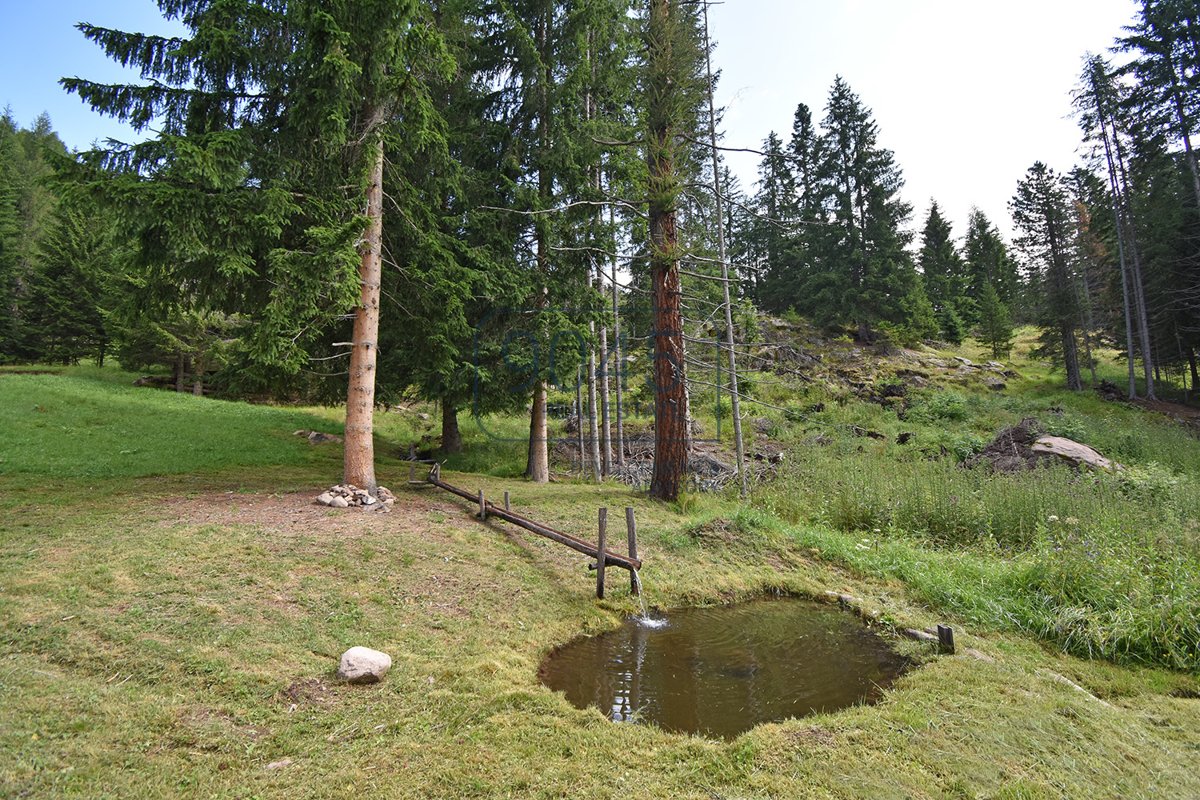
175	637
90	423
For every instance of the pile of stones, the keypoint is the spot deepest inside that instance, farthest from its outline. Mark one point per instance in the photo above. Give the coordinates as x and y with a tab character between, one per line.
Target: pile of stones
350	496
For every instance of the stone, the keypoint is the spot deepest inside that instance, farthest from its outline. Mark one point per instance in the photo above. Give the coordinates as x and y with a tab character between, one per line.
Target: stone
339	502
280	764
966	362
996	385
1074	452
362	665
325	498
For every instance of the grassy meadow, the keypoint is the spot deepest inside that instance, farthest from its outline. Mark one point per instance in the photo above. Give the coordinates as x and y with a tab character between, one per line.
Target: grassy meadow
172	604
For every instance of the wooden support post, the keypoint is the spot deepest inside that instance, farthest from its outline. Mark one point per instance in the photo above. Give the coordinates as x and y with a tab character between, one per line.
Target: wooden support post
482	506
600	554
412	472
507	507
635	583
946	639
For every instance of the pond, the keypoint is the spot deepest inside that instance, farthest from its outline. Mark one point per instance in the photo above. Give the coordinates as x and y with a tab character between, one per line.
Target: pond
721	671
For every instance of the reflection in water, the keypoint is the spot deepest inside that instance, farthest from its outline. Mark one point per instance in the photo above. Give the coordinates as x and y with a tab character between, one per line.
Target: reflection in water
721	671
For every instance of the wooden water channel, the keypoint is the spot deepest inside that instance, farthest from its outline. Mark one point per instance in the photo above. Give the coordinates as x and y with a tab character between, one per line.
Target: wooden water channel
599	551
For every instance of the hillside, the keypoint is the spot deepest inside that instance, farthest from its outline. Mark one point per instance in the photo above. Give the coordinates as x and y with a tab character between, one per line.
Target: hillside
171	616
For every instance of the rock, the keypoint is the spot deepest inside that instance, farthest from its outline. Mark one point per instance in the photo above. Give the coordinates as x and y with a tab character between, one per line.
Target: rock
280	764
904	438
316	437
966	362
995	366
363	665
339	502
996	385
325	498
1074	452
423	417
369	501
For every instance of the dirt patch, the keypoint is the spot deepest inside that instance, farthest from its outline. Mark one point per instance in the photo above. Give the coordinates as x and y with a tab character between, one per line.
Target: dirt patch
296	513
308	692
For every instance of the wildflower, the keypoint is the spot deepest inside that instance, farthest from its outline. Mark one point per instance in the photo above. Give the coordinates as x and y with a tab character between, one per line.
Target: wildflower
1052	518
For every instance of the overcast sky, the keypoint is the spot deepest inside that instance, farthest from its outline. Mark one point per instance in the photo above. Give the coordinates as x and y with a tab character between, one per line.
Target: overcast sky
967	93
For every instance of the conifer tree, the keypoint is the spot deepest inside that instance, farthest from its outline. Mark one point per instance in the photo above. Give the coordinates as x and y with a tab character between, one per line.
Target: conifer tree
274	122
995	323
988	262
864	274
672	93
1041	214
943	272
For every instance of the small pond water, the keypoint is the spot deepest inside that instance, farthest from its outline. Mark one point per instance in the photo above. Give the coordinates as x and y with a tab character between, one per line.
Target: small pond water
721	671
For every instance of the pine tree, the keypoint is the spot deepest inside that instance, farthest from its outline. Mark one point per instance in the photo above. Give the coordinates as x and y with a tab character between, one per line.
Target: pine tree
1166	49
943	271
995	323
10	237
672	92
275	121
988	263
862	271
1041	214
67	296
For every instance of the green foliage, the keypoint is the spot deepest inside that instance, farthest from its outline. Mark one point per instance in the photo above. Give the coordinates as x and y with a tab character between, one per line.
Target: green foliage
996	329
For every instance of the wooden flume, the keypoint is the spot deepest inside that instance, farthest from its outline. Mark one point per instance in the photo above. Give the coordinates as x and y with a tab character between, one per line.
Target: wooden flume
487	510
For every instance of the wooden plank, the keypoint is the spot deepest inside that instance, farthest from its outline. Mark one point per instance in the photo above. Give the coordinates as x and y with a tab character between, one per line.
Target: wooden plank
578	545
600	548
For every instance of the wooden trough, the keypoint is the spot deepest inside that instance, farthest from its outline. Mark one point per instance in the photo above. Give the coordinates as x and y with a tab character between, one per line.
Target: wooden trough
604	557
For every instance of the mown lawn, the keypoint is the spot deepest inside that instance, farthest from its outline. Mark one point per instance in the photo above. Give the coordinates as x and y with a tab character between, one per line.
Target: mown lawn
177	636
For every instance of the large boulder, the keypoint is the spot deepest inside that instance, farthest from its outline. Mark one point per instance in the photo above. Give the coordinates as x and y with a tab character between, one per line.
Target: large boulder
1073	452
364	665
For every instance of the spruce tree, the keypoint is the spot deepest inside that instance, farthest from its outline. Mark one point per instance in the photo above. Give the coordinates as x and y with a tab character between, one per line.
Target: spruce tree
864	274
1041	214
943	272
274	121
995	323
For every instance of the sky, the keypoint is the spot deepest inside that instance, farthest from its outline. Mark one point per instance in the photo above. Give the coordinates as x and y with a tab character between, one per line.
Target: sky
966	93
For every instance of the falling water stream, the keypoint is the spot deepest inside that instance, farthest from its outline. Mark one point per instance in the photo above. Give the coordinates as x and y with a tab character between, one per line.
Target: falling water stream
721	671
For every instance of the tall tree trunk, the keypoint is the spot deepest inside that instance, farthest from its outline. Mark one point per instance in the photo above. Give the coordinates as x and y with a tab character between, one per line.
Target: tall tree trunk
538	467
359	466
670	382
451	436
180	371
1192	366
734	396
593	441
1071	357
1114	184
1135	275
616	359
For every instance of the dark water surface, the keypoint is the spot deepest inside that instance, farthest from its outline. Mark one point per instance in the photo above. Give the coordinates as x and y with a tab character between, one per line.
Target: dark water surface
721	671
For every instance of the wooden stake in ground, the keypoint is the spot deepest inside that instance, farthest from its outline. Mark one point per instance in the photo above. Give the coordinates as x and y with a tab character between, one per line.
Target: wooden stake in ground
359	465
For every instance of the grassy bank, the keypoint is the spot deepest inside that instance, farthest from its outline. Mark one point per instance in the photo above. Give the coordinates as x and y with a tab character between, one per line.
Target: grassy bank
177	637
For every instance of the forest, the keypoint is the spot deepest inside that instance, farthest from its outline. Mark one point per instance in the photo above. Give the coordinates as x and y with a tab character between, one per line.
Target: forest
562	160
502	240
